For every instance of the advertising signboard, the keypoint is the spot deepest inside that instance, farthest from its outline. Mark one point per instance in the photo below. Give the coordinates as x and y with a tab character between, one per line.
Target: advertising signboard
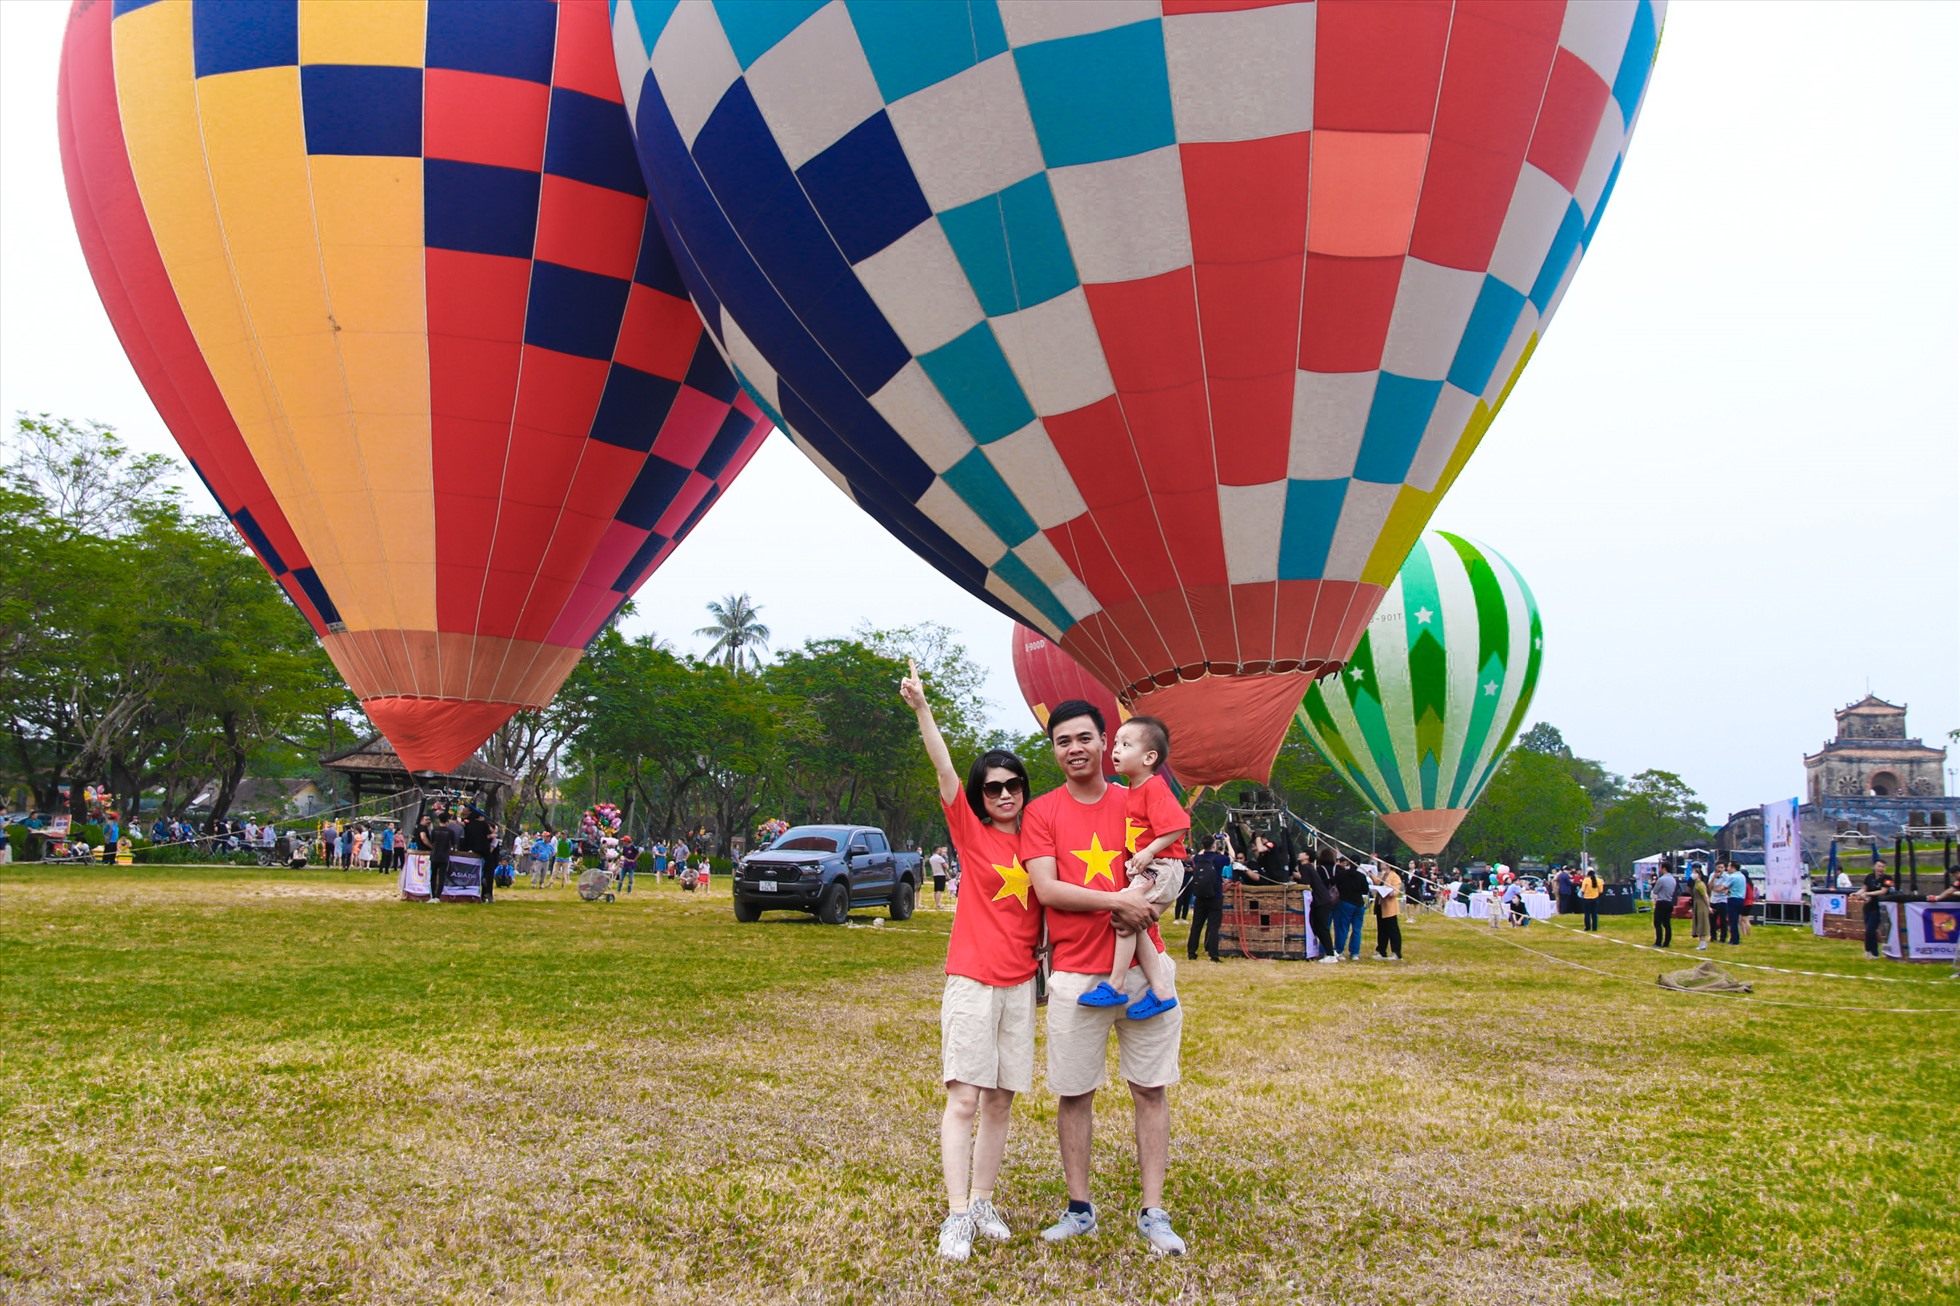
1782	852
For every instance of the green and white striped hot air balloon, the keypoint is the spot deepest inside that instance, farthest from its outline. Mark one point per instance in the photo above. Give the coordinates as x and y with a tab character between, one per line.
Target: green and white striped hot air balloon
1422	714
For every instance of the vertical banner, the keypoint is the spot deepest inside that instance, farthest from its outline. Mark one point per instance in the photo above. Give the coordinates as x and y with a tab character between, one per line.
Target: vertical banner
415	877
1782	852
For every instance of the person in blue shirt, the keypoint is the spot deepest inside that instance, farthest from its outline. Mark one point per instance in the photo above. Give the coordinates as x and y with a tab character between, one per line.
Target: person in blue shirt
387	848
544	847
1738	890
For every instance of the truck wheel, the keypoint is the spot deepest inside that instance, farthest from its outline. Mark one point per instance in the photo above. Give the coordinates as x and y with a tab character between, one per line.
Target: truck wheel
748	913
834	908
902	898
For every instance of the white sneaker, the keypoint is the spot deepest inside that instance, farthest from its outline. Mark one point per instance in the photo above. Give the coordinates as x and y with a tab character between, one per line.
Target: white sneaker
1072	1224
987	1221
1154	1223
956	1236
1329	961
1702	946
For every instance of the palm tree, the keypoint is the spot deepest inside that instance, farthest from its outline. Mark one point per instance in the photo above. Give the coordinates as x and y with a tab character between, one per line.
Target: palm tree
736	632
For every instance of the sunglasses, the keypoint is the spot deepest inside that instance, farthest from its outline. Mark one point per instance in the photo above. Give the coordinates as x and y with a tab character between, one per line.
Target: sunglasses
995	788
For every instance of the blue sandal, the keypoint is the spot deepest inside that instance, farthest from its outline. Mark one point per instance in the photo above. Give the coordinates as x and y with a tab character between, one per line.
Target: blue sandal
1103	996
1150	1005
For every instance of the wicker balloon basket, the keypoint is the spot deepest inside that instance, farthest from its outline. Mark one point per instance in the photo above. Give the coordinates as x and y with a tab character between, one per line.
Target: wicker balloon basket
1264	921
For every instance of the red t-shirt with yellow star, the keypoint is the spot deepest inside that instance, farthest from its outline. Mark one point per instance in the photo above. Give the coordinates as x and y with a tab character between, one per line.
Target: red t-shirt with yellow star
1086	840
1150	810
997	921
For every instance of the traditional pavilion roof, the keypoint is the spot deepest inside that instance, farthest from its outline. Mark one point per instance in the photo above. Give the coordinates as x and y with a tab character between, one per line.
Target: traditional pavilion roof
1871	704
376	756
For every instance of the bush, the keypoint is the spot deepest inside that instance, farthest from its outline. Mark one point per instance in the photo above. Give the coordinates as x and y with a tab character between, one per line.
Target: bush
643	864
26	848
91	834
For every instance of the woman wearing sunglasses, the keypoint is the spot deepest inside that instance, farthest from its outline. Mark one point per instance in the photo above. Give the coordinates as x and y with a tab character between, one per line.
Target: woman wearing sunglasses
986	1017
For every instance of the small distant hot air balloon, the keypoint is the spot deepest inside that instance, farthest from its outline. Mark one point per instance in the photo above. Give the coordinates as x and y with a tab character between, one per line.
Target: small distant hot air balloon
386	271
1162	327
1420	718
1049	677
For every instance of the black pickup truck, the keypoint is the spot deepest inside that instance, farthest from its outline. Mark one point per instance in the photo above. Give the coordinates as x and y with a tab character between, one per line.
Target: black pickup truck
827	870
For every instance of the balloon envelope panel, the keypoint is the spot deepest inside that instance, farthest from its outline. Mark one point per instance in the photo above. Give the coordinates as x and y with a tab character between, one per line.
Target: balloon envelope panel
387	271
1162	326
1437	688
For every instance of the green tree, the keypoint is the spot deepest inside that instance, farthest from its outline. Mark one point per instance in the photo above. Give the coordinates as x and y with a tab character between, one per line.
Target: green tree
1531	807
738	635
81	474
1036	754
1545	738
1659	812
145	645
1601	786
955	679
851	745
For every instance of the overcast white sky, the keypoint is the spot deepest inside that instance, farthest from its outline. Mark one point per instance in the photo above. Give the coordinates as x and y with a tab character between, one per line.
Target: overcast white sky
1731	474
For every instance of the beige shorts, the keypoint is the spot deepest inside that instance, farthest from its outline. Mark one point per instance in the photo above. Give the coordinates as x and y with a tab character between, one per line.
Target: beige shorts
1078	1037
986	1034
1168	878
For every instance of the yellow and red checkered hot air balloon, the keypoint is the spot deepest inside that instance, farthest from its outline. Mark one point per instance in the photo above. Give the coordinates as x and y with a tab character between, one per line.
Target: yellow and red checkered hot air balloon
387	273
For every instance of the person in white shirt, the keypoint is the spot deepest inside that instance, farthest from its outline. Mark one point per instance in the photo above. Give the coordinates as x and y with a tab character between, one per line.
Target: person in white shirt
937	865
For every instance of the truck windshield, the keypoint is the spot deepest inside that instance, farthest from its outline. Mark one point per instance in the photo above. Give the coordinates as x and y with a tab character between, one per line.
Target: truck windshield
809	839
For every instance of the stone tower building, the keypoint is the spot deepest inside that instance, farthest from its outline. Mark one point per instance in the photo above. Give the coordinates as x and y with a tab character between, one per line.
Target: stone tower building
1871	782
1872	758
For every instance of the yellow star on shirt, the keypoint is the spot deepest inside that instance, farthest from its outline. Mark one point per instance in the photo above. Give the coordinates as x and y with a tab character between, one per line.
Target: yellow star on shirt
1097	858
1133	831
1013	883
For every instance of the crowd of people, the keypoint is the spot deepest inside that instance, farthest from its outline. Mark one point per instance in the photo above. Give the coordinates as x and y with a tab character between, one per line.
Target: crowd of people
1341	894
549	857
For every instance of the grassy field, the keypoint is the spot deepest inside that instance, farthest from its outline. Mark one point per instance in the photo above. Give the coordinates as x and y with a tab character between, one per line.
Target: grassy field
251	1086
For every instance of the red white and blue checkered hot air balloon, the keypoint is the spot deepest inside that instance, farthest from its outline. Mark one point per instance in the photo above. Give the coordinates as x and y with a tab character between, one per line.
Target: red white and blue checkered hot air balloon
387	272
1161	325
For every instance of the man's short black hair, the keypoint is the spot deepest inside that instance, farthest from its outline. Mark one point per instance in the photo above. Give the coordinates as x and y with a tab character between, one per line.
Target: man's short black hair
1072	709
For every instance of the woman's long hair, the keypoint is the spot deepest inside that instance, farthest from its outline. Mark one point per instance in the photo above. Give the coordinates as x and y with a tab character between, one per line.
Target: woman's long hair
976	776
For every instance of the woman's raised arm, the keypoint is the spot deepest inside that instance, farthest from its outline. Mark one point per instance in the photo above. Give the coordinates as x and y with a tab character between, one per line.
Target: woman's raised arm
913	691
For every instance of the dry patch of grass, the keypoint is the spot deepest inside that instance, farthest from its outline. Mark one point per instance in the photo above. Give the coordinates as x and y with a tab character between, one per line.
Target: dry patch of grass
243	1086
